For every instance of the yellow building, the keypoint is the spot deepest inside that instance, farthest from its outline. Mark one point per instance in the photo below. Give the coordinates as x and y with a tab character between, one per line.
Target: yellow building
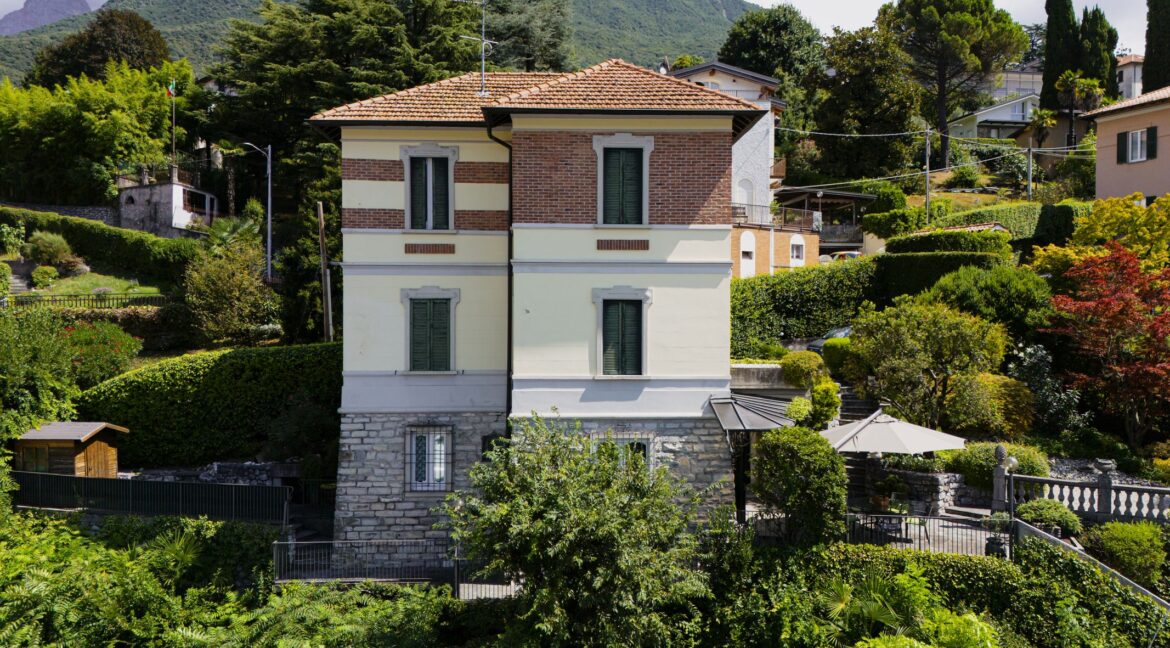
559	245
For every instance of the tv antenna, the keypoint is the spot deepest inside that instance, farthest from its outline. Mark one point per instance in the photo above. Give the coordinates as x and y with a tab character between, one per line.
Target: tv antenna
485	45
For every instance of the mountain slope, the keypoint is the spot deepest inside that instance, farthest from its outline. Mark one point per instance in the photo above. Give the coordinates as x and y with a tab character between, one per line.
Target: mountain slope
36	13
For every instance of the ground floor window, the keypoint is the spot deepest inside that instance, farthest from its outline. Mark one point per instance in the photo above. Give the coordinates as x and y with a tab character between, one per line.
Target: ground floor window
429	451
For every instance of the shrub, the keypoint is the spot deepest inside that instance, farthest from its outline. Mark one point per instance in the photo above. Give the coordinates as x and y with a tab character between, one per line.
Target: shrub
761	350
227	295
5	279
839	356
1133	548
1058	221
100	351
44	276
896	222
1020	218
1050	513
797	474
134	252
803	369
158	328
46	248
1013	296
11	239
281	402
888	196
976	463
965	177
912	273
72	266
991	406
952	241
803	303
915	463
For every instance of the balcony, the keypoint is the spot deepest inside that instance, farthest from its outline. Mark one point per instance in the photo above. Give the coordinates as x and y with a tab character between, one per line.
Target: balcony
784	218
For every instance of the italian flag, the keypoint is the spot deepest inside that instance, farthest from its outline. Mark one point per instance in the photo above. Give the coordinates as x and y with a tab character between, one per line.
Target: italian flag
171	92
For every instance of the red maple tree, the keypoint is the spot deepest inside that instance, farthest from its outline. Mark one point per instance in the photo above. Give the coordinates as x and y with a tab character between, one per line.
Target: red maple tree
1118	319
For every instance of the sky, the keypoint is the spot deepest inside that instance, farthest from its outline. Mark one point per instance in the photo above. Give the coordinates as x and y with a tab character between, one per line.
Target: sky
1128	16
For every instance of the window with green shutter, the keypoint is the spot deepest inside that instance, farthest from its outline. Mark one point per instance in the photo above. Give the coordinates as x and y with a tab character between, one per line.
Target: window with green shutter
621	335
430	193
622	186
430	335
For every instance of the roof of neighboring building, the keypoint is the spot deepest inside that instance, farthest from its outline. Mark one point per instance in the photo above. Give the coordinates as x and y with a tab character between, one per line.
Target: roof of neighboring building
1130	59
65	431
612	86
1006	102
762	79
1148	99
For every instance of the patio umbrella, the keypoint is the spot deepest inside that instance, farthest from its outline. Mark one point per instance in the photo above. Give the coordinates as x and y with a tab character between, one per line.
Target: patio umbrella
884	433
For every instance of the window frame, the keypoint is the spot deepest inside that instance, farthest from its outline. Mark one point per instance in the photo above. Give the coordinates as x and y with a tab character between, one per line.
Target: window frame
439	475
408	296
792	251
623	141
1142	145
430	152
621	293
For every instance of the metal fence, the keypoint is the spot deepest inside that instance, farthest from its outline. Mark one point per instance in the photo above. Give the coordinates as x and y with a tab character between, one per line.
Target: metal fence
389	561
29	300
939	534
244	503
784	218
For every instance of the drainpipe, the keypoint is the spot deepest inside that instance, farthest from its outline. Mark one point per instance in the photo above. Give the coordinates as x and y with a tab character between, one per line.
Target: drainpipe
511	277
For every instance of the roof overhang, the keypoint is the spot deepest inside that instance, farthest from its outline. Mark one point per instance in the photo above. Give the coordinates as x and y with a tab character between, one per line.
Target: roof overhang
742	120
745	413
762	79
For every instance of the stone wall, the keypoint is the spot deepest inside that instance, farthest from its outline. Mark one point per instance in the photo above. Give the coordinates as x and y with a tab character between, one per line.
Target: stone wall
107	215
939	491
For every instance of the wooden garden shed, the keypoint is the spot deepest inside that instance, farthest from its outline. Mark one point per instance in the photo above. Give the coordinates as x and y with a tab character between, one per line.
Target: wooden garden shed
84	449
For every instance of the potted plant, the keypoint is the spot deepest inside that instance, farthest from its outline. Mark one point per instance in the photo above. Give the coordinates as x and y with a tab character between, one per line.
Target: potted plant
883	490
999	524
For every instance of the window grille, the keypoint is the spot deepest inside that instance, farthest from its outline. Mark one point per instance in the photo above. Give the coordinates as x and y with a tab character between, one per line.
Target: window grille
429	452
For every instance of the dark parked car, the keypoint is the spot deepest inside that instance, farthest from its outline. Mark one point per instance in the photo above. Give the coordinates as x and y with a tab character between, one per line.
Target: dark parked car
818	346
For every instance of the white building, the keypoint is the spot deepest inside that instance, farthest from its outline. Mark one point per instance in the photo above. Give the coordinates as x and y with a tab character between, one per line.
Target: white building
1129	75
1004	120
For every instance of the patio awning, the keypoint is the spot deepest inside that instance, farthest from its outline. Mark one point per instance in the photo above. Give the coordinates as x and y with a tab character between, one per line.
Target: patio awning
881	432
744	413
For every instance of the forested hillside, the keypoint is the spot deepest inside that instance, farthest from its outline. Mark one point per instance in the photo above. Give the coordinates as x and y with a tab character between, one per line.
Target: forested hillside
641	31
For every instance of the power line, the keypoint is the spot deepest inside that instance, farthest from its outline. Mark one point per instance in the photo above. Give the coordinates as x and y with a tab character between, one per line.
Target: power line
849	135
915	174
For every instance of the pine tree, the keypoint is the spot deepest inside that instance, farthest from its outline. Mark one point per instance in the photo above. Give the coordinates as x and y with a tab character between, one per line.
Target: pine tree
1062	49
1157	65
533	34
1098	44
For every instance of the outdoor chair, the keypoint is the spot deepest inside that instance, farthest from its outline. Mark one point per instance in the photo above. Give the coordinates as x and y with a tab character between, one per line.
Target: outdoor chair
920	514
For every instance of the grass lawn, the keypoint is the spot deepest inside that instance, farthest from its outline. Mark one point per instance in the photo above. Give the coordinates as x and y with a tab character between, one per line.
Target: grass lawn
87	283
959	201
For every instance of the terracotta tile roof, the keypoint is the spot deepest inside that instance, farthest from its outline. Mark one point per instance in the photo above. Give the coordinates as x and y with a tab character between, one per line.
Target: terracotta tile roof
1157	96
1130	58
612	85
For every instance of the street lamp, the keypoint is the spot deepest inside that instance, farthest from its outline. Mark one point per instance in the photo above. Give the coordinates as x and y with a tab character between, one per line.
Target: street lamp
267	153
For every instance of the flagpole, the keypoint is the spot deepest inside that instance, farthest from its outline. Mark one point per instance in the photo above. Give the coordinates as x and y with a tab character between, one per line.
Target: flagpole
174	154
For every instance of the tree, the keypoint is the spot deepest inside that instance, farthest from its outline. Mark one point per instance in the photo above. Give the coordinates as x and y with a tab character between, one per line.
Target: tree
1042	122
686	61
955	47
1015	297
1156	72
1144	231
1098	44
1076	93
533	35
597	539
871	92
227	295
1118	319
778	42
115	35
919	353
799	476
1037	41
1062	49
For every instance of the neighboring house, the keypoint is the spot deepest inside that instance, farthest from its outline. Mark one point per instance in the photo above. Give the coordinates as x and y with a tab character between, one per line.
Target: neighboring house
1018	81
1129	134
557	246
166	208
1129	75
765	249
1005	120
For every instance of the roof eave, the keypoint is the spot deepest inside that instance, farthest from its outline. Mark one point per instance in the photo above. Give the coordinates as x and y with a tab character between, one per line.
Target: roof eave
340	122
742	120
1106	112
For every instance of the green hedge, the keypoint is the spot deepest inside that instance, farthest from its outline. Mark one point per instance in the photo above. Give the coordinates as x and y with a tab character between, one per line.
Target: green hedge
1020	218
281	402
5	277
838	353
134	252
896	222
976	463
913	272
803	303
1057	222
160	328
952	241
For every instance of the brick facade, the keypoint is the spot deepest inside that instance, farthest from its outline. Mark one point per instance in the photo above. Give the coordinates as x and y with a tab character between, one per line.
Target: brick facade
393	171
556	178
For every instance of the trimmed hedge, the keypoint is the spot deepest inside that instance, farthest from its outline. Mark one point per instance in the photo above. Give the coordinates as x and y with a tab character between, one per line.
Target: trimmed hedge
896	222
837	353
913	272
281	402
1020	218
803	303
159	328
5	278
952	241
1050	513
134	252
1057	222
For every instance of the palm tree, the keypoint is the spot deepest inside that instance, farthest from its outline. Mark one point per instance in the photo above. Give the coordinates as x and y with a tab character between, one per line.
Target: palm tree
1078	93
1043	120
226	232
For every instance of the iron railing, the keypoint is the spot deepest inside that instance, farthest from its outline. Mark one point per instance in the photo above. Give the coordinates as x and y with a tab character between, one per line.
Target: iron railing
938	534
28	300
243	503
429	562
785	218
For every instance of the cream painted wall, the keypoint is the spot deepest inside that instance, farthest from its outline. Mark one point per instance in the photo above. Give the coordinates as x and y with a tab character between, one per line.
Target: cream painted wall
556	324
383	143
666	244
390	247
375	321
377	194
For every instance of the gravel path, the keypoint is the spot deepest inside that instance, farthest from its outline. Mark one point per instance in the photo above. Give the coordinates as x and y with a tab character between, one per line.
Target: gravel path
1085	470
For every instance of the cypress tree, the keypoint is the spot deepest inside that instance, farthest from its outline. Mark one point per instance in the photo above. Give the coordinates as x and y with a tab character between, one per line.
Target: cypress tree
1098	44
1157	66
1062	51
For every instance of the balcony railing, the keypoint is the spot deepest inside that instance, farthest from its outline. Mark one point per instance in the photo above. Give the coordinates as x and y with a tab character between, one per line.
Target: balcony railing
842	234
796	220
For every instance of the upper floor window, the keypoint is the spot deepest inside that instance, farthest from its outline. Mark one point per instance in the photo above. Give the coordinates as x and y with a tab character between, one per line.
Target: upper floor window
1137	146
623	185
430	186
621	332
1120	76
430	328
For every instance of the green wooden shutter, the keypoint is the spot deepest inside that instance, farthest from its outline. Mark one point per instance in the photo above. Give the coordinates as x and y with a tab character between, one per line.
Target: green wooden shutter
441	204
1123	148
631	186
612	187
420	334
440	339
611	333
1152	143
631	346
418	193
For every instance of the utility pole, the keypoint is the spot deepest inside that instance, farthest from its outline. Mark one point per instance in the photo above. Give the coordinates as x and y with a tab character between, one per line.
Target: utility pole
267	153
326	279
1029	172
928	176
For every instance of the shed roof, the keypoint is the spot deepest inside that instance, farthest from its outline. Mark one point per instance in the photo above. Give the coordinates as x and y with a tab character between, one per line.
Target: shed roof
69	431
